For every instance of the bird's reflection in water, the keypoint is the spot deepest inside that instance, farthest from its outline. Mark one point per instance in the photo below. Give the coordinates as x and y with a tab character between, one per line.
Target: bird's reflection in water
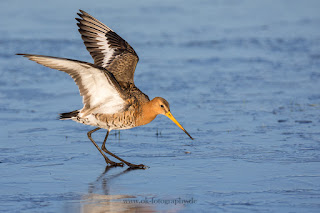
94	202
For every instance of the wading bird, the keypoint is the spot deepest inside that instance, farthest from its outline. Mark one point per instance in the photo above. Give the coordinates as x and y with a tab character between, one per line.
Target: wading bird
111	99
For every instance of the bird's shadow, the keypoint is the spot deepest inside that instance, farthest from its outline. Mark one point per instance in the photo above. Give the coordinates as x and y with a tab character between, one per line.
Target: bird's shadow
103	180
95	201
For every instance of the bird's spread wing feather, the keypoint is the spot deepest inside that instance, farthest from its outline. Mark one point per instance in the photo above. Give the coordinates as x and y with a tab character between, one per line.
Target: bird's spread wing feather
101	92
107	48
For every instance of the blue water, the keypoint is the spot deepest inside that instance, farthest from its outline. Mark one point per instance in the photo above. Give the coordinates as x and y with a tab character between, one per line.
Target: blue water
243	77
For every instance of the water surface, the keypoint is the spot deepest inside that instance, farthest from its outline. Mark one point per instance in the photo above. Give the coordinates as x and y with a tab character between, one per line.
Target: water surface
241	76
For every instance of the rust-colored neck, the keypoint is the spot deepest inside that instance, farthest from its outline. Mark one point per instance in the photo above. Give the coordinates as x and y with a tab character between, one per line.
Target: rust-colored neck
146	114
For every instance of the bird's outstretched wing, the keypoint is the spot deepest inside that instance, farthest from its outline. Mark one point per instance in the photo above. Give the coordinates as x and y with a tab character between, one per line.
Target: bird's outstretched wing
107	48
101	92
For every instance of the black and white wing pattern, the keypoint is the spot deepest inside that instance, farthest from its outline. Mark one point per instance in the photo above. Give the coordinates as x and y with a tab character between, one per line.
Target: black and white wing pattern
107	48
101	92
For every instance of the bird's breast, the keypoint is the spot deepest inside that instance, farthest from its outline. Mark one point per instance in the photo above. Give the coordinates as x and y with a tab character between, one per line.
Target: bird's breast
145	115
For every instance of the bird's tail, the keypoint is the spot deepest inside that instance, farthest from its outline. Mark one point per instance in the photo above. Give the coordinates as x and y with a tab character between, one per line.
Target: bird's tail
69	115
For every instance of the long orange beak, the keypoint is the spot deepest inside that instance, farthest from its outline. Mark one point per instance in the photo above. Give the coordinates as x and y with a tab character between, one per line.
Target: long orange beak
169	115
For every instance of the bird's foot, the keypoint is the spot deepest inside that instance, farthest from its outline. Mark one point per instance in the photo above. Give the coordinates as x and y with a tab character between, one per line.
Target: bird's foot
135	166
118	164
112	163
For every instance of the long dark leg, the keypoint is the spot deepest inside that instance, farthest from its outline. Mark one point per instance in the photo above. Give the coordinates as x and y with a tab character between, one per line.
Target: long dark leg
105	157
133	166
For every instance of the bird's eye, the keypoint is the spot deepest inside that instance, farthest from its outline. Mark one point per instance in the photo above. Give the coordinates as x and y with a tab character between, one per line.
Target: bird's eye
161	106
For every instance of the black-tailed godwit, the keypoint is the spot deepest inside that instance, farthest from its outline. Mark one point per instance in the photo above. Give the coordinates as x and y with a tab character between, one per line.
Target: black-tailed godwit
111	99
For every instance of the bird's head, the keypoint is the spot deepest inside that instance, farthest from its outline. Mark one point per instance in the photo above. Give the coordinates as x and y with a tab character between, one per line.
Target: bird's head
161	106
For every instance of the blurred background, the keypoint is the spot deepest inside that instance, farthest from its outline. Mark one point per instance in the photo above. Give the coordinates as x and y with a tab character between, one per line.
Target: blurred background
242	76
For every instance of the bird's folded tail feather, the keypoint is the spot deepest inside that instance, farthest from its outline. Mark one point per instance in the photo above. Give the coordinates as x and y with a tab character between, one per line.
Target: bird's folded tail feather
69	115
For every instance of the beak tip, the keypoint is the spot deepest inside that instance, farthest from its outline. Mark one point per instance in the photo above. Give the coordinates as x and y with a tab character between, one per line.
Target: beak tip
169	115
189	135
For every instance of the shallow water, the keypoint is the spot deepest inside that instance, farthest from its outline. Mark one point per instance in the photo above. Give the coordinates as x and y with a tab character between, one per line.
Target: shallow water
241	76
